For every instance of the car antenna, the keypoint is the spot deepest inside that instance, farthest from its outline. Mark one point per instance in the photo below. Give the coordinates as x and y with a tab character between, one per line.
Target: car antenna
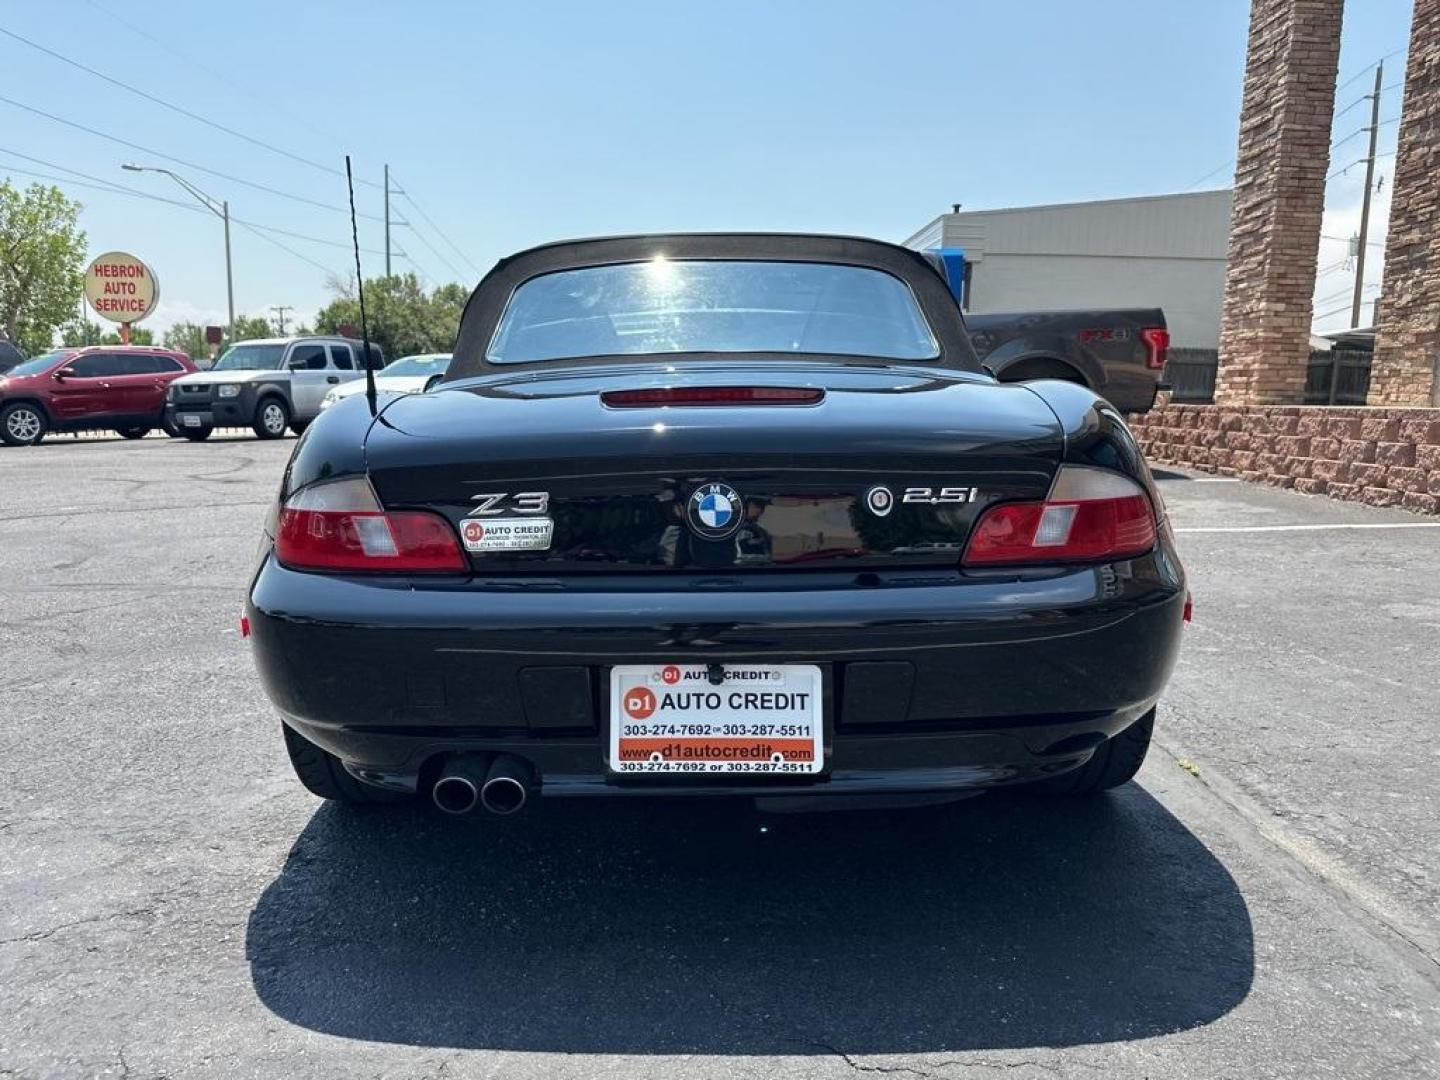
360	285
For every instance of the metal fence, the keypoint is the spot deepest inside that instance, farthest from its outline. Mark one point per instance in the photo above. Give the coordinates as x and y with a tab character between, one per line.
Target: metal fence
1191	375
1338	377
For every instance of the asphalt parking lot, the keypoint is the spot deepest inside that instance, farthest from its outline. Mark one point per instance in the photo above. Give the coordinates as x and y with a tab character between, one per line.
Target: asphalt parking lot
1264	902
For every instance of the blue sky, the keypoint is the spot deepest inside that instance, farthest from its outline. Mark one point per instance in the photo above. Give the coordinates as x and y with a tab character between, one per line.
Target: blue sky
513	124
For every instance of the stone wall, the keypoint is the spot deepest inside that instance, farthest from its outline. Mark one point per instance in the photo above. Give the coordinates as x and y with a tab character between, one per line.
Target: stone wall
1408	347
1384	457
1281	164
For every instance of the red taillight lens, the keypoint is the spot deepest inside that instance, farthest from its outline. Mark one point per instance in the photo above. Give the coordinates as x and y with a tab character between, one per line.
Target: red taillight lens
1157	346
713	395
1091	515
342	526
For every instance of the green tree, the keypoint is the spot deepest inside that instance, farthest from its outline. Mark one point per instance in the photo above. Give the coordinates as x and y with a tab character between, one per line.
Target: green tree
138	336
189	338
42	262
403	319
249	327
79	332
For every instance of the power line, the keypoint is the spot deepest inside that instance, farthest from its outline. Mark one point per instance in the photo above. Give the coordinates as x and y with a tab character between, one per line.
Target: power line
1369	67
1335	311
425	279
433	249
438	231
96	182
1349	239
101	184
1212	172
180	161
284	247
1343	292
197	65
171	105
1358	161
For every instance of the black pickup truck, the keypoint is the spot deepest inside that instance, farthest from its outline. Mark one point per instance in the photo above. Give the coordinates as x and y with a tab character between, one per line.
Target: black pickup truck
1118	353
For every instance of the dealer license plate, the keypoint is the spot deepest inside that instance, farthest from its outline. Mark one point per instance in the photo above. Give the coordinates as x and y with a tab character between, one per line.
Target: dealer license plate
189	420
671	718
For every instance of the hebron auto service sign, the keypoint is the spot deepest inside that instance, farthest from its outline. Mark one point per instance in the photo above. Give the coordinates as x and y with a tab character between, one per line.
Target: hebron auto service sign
121	288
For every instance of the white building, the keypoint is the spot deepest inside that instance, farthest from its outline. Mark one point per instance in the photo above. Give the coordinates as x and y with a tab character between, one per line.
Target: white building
1165	251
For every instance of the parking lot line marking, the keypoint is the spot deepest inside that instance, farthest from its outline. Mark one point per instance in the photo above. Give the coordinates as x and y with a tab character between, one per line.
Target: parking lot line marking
1310	857
1310	528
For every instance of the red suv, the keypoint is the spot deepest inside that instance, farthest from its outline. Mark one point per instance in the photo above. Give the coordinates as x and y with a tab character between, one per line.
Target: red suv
101	386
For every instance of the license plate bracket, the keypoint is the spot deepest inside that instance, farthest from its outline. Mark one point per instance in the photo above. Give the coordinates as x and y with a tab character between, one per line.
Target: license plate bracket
757	720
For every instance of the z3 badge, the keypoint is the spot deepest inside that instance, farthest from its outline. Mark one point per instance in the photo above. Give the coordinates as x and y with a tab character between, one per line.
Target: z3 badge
502	502
532	532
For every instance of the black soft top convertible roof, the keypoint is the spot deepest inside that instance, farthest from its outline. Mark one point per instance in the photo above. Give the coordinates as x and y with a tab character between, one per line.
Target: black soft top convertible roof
487	302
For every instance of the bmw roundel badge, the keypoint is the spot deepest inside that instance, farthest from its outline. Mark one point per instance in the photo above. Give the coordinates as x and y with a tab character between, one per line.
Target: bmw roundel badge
879	500
715	510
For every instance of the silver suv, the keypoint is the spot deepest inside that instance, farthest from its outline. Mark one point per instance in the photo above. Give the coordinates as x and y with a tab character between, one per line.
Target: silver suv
267	385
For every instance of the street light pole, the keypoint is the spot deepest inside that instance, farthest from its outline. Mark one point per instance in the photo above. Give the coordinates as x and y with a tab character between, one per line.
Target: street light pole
220	210
229	280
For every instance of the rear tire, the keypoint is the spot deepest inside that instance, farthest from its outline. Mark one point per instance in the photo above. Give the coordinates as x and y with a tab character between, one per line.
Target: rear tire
323	775
132	432
271	418
22	424
1115	762
196	434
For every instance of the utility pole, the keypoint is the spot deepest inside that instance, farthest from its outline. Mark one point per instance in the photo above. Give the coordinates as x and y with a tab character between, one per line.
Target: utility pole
1369	187
280	310
387	220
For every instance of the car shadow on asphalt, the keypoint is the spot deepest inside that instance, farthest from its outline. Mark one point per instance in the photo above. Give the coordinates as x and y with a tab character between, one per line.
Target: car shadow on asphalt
640	927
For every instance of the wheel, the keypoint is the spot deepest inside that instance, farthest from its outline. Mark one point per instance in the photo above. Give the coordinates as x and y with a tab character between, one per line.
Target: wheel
299	426
1114	763
22	424
271	418
323	775
196	434
167	425
132	432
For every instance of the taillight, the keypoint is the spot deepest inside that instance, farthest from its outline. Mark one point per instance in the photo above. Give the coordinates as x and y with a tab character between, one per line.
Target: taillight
1090	515
713	395
1157	346
342	526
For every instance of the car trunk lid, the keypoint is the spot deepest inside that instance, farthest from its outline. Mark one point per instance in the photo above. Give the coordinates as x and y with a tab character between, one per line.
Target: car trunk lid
826	466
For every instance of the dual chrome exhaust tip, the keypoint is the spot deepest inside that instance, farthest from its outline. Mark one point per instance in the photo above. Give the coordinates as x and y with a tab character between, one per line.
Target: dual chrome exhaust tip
500	784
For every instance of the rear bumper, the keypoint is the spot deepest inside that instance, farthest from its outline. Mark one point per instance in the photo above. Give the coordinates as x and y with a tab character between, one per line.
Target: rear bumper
229	413
936	683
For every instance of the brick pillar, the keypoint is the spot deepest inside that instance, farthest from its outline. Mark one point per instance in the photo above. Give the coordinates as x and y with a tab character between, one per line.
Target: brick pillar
1280	169
1408	347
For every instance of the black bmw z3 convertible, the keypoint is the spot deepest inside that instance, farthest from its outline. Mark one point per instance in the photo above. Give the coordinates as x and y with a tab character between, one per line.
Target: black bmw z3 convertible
716	515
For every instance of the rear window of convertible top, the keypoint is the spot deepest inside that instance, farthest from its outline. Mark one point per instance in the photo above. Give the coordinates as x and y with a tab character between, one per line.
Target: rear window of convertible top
665	306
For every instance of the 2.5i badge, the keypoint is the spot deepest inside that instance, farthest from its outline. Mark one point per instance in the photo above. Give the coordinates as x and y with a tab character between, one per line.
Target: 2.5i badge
508	534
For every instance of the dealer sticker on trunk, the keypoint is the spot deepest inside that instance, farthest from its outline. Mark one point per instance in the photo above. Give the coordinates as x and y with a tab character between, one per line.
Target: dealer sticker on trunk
681	718
507	534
